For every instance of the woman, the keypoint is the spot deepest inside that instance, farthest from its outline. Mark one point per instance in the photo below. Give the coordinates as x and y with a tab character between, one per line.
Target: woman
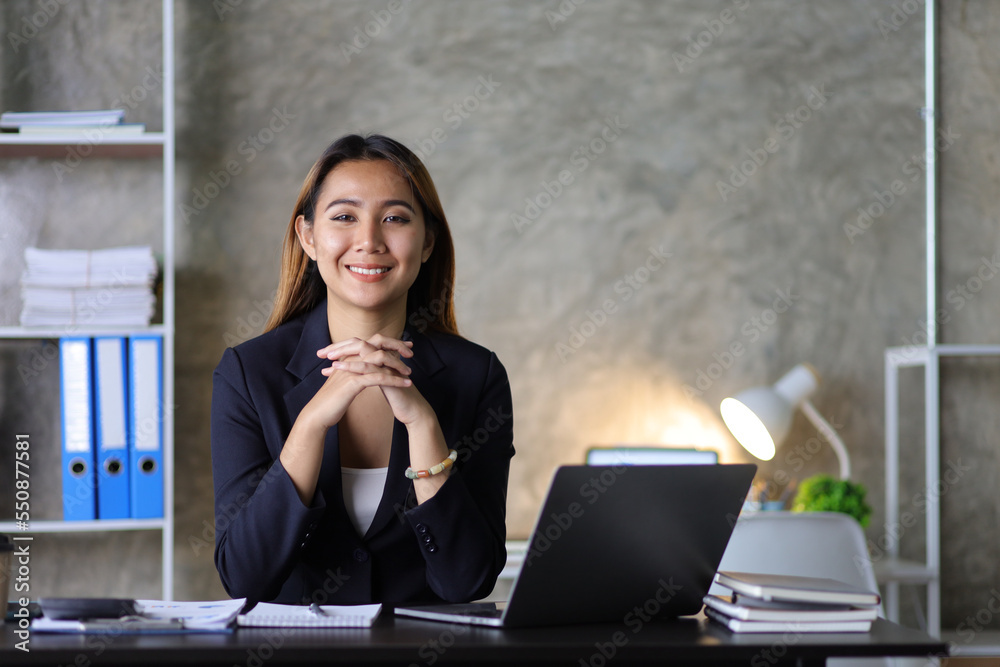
360	447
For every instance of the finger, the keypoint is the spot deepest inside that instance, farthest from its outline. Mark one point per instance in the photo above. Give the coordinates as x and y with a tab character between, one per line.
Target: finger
402	347
375	379
345	348
384	358
364	367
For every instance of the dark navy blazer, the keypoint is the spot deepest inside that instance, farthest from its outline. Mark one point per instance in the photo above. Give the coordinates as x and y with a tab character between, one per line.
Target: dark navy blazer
271	547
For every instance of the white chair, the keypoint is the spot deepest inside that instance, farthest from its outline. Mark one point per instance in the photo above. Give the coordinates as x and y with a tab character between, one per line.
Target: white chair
812	544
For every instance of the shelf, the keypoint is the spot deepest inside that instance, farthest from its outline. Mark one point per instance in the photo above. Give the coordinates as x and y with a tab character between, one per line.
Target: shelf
70	148
902	571
968	643
53	526
78	146
35	333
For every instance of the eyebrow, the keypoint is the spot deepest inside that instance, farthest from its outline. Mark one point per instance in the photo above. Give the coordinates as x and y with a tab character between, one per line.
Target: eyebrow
386	204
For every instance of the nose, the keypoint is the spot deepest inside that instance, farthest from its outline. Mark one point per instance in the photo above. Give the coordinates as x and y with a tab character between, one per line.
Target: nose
368	236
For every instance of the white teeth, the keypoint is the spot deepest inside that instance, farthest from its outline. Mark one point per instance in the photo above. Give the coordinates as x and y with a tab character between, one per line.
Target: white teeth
368	272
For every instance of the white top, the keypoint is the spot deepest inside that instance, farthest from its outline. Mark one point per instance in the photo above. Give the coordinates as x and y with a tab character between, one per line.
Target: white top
362	492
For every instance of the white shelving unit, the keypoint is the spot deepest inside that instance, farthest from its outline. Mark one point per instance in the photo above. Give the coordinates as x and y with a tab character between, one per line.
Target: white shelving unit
892	571
145	146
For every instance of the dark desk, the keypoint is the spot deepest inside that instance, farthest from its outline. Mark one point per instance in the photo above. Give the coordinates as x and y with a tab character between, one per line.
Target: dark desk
400	641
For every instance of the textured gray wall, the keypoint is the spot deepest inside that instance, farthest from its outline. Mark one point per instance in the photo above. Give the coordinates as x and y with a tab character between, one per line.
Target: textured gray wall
504	101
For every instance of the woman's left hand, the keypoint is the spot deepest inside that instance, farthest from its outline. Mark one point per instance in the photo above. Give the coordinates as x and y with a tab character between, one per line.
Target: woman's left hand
381	354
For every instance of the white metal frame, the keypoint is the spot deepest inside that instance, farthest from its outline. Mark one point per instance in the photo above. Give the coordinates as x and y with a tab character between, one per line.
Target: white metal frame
893	571
140	146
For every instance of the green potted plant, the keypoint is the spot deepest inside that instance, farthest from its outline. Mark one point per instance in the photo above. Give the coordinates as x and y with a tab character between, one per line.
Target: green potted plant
823	493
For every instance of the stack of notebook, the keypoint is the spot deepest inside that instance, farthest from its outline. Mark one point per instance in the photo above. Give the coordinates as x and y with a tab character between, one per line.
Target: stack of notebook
110	287
781	603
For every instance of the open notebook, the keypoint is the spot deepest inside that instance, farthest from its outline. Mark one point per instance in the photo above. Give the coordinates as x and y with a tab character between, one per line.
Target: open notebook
270	615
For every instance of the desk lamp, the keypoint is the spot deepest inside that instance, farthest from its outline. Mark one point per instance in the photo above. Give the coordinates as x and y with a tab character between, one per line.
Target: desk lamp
760	417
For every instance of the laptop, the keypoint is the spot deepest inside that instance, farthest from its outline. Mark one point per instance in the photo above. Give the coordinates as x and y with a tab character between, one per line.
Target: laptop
614	543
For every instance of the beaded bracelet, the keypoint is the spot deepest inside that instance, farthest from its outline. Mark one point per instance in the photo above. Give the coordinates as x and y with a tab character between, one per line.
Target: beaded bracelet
434	470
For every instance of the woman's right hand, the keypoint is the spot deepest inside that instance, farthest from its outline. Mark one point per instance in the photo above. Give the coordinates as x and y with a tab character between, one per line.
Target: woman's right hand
377	363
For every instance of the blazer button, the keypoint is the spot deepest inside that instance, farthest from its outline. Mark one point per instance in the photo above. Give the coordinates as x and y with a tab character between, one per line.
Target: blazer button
422	529
431	548
360	555
427	539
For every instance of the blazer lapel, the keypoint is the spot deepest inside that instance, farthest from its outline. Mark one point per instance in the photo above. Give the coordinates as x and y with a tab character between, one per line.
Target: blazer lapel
305	365
398	496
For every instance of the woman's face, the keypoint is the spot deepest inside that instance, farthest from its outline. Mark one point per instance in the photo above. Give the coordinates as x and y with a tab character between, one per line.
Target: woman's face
368	237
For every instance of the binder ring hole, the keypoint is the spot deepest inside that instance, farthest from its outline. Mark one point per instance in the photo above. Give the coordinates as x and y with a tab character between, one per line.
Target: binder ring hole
113	466
78	467
147	465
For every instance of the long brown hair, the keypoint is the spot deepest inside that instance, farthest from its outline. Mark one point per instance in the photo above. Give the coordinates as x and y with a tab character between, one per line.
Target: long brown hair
430	301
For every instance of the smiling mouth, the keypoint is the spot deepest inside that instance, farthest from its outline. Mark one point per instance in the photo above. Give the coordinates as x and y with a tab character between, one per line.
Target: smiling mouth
368	272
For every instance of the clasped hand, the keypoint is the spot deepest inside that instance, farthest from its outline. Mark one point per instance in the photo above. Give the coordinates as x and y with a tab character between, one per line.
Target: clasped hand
359	364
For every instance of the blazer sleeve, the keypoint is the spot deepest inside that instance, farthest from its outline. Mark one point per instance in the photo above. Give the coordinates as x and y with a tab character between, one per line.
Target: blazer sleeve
260	521
462	529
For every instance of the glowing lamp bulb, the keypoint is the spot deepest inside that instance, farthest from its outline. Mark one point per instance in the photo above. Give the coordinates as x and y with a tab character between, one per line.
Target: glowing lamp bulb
748	429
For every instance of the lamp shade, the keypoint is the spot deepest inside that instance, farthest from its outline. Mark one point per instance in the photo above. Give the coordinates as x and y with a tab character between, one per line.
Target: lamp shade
759	418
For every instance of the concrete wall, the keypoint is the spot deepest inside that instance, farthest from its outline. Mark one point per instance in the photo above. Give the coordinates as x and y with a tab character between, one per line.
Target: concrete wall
609	247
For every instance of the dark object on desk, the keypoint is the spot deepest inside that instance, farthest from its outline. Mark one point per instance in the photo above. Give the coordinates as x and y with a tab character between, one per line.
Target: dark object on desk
618	544
78	608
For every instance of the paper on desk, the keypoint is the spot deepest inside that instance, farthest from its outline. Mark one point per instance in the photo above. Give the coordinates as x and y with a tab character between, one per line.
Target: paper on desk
155	616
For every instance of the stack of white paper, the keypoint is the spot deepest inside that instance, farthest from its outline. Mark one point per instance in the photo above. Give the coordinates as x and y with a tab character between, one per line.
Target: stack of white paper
109	287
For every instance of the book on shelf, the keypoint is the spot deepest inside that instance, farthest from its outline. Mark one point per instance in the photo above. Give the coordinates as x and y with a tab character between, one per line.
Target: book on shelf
89	131
108	287
15	120
781	603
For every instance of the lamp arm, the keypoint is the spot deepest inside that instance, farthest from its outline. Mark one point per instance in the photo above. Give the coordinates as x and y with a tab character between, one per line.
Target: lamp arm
838	445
